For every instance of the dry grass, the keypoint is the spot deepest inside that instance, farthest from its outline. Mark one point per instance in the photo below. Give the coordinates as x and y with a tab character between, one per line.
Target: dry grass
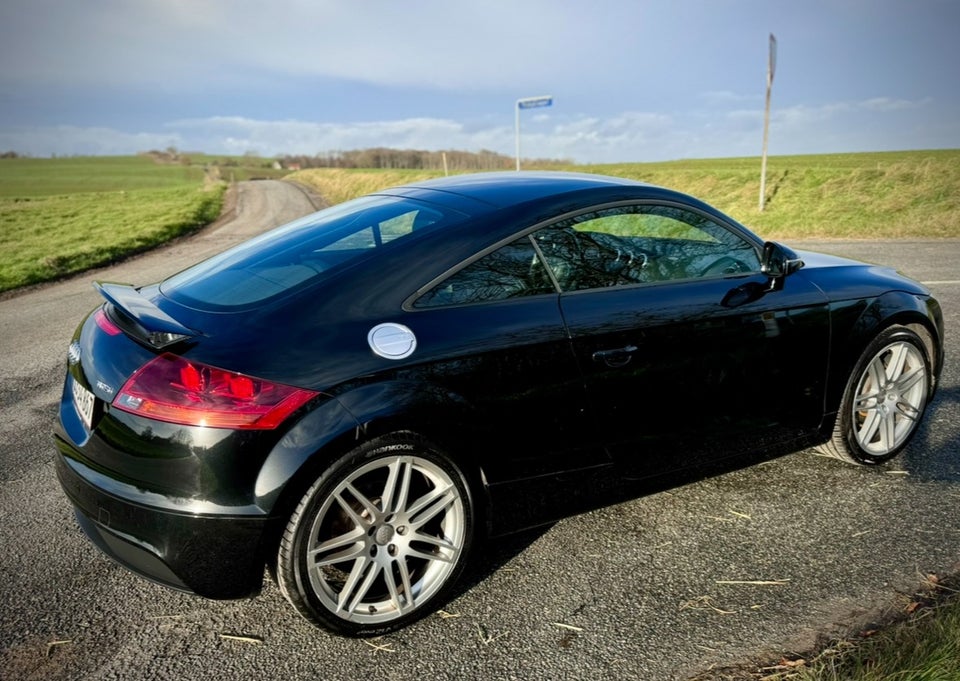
915	639
337	185
923	647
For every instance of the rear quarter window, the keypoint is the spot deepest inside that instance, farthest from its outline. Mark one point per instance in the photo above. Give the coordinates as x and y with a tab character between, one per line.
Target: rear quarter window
303	252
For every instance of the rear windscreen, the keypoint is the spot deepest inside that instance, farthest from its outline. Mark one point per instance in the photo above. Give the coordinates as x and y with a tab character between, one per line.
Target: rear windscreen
302	252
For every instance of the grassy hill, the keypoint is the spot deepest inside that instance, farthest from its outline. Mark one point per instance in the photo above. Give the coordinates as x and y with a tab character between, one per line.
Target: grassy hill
895	195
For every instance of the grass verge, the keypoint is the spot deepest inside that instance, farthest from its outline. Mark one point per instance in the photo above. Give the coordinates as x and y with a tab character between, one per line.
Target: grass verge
917	638
922	646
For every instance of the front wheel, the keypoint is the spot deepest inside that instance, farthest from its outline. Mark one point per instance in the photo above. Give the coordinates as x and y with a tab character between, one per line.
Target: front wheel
884	400
378	539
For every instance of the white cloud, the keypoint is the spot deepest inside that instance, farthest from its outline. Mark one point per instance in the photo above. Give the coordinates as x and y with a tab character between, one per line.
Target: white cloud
70	140
890	104
237	135
583	139
802	116
623	137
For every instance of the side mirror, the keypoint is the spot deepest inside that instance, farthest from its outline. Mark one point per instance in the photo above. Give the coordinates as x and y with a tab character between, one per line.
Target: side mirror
778	262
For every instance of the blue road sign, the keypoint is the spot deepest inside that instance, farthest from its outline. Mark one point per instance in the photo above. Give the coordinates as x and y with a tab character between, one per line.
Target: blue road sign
534	102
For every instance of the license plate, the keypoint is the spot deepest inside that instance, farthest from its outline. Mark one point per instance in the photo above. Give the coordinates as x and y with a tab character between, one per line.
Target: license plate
83	399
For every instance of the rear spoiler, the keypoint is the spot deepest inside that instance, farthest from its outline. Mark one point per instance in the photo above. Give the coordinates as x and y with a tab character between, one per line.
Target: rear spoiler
141	318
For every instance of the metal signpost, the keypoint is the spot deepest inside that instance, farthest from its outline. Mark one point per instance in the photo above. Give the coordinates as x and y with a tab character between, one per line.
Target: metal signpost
771	67
528	103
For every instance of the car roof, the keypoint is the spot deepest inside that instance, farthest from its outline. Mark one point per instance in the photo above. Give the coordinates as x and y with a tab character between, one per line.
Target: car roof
506	188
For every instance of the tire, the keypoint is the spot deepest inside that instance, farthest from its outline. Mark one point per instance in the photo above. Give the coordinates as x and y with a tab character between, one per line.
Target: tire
379	539
884	399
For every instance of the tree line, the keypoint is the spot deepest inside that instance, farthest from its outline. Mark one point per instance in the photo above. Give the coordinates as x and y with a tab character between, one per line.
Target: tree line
409	159
378	157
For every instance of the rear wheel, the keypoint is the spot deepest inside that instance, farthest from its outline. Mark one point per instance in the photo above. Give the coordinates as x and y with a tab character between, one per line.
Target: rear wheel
884	400
379	539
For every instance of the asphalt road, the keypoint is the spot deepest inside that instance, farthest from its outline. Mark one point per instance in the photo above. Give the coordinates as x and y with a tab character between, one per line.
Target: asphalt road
646	589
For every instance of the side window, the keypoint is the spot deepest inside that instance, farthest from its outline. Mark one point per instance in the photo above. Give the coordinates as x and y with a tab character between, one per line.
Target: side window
303	251
382	232
641	244
511	271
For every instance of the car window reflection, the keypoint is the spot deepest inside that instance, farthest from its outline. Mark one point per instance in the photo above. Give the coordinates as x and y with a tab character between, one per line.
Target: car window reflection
640	245
626	245
512	271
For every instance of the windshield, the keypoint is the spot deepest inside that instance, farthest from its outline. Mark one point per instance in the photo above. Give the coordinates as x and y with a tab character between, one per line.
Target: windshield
302	252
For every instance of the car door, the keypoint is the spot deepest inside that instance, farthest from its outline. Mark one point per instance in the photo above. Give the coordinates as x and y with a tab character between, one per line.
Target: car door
686	353
499	343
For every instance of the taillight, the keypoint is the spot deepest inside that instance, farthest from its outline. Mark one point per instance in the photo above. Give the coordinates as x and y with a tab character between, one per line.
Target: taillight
171	388
100	317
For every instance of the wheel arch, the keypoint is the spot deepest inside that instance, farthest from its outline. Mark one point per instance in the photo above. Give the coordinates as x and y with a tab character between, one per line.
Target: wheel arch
920	314
362	414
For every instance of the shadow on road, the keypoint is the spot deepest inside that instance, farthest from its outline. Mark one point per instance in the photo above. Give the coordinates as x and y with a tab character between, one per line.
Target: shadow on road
929	458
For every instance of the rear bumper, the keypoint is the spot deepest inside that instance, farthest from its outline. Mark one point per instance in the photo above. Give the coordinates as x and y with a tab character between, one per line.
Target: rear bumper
213	555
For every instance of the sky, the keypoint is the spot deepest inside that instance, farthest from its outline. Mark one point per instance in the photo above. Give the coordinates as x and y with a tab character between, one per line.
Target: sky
630	80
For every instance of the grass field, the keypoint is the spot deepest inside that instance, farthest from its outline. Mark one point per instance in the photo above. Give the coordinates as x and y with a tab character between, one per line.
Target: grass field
22	178
67	215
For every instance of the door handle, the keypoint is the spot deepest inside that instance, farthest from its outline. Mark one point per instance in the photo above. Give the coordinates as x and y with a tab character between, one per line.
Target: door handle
616	357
